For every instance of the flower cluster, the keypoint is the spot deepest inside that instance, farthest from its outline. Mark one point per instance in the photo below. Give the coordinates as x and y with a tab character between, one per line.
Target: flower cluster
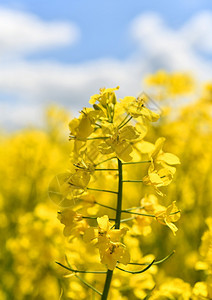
108	242
105	138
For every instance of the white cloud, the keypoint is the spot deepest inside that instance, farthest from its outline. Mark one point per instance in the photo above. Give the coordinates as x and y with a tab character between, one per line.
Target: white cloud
44	82
19	115
198	32
172	49
22	33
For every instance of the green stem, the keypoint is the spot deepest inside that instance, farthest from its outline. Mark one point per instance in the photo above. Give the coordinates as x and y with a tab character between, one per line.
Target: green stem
107	284
119	198
117	226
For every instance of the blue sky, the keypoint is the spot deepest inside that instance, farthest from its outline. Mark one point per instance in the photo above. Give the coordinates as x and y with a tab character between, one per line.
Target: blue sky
63	51
104	24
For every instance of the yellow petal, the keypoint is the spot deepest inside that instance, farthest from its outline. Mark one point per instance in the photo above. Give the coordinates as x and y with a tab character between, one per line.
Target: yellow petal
172	227
123	151
90	234
128	133
155	178
104	223
84	128
170	158
145	147
158	146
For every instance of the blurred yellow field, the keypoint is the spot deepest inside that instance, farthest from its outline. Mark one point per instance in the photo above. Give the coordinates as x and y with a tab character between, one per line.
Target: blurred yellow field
169	195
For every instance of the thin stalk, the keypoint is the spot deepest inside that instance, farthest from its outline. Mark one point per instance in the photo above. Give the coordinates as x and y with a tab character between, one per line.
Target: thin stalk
106	169
108	113
128	219
133	208
83	281
139	214
125	123
89	138
83	168
136	162
132	180
146	215
105	160
88	285
89	218
106	206
98	138
94	218
123	120
156	262
137	272
80	271
101	190
98	125
117	226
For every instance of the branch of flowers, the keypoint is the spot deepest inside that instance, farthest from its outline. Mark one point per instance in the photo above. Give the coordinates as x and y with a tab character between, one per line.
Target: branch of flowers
137	272
136	162
101	190
156	262
117	226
